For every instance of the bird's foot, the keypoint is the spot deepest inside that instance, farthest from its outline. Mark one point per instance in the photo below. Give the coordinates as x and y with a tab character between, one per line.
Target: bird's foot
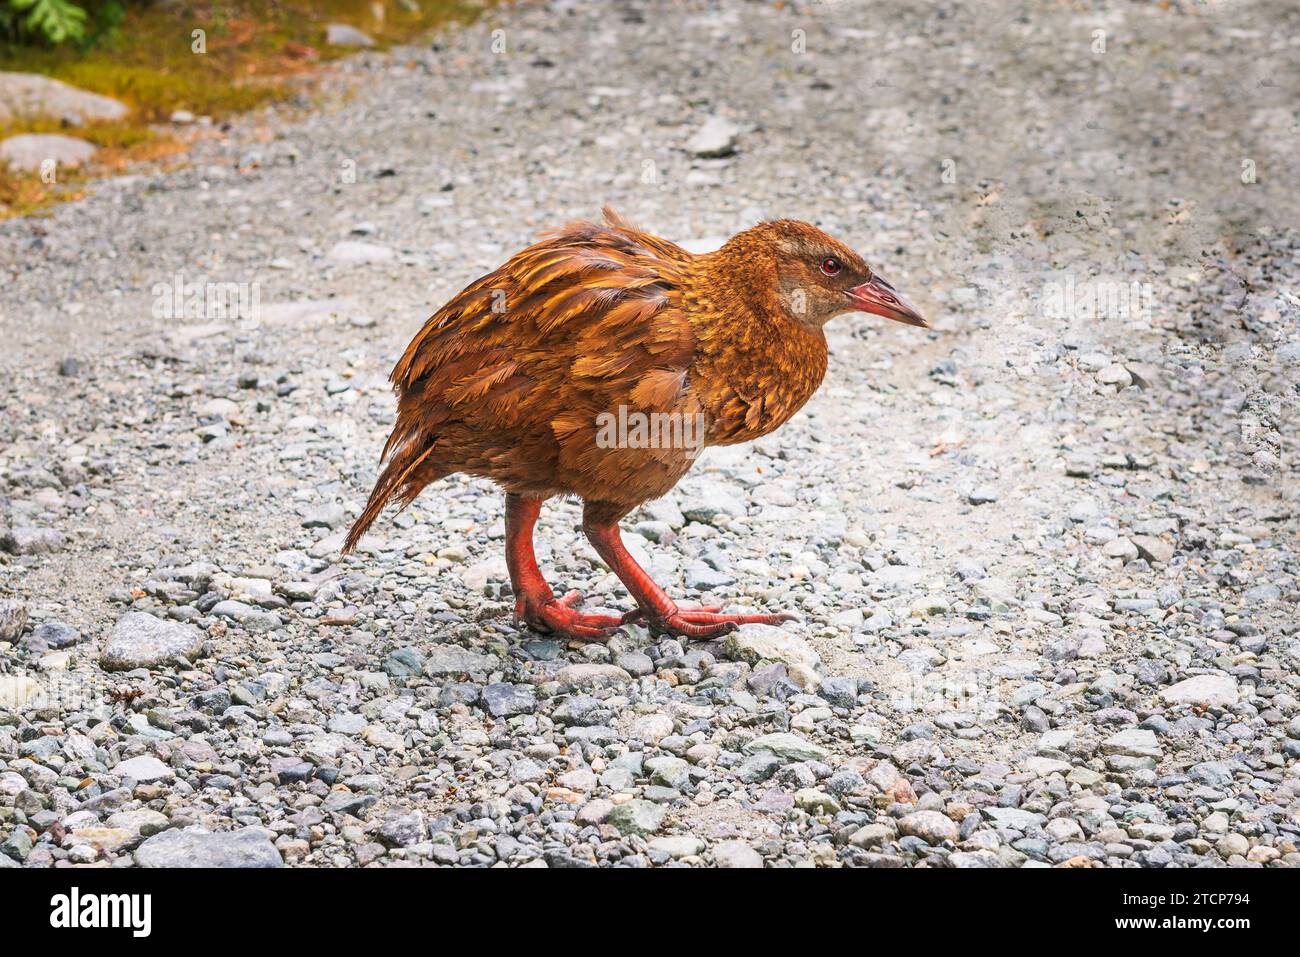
559	617
706	621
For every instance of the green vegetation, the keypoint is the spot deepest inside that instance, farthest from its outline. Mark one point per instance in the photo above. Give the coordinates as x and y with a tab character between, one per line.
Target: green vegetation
52	20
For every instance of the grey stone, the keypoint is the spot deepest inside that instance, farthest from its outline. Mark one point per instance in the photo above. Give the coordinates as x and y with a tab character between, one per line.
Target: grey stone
55	634
139	640
191	847
453	659
736	854
33	94
26	540
504	699
788	746
642	818
1013	818
27	152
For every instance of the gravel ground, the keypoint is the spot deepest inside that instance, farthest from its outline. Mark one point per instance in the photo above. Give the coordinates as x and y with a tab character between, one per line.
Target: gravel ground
1044	555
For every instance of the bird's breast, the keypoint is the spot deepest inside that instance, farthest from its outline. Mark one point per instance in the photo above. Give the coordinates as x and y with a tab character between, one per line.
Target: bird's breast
751	393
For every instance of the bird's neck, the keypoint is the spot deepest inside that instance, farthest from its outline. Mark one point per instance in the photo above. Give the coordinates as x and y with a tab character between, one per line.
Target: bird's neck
756	365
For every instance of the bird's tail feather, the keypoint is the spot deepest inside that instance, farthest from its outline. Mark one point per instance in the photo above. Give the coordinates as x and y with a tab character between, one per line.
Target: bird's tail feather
396	480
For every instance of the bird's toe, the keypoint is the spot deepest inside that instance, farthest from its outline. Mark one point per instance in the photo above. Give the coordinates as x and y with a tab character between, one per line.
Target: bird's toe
558	617
708	621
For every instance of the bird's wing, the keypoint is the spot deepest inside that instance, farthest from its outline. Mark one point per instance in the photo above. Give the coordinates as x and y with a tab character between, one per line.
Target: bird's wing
594	309
508	378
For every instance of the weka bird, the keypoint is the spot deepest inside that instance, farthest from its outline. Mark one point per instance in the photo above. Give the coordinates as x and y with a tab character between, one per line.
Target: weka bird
510	381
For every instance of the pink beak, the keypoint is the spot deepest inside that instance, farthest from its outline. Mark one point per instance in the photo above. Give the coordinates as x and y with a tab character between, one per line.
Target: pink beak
878	297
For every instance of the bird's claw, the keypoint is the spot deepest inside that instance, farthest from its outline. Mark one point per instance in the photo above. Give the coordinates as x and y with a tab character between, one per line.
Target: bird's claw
559	617
704	622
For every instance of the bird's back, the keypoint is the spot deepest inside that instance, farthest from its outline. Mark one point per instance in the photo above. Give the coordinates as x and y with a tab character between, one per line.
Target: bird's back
509	378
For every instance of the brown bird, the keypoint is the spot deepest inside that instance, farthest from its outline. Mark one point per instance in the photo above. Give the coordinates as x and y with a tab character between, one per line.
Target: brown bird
550	374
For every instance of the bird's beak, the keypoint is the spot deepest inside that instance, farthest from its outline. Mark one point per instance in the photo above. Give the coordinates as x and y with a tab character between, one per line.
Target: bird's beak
879	297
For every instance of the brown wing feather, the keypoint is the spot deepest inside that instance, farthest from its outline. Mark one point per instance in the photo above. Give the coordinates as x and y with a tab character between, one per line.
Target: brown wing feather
506	380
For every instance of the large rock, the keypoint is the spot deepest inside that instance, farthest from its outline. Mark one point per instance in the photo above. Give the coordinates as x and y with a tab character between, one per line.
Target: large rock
1133	742
1153	549
638	817
591	675
1218	691
755	643
788	746
504	699
930	826
27	151
29	540
192	847
140	640
453	659
1013	817
736	854
143	769
30	94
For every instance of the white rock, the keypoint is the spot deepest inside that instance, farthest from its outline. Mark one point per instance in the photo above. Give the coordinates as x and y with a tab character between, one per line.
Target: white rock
144	769
1219	691
1120	548
351	251
28	94
717	137
27	151
343	35
678	846
1135	742
736	854
755	643
17	691
1115	375
652	727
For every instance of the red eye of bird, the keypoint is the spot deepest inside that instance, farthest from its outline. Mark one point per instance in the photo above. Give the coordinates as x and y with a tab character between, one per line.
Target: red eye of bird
831	266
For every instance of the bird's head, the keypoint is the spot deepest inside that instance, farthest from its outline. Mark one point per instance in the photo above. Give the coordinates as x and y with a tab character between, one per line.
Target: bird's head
810	276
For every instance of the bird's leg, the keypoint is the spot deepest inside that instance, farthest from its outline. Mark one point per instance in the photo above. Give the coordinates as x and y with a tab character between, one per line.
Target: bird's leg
658	610
535	603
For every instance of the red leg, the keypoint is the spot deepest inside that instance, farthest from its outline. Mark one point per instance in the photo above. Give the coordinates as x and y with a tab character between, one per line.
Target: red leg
656	608
535	603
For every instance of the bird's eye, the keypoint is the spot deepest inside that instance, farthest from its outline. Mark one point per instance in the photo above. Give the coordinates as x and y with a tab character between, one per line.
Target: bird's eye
831	266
